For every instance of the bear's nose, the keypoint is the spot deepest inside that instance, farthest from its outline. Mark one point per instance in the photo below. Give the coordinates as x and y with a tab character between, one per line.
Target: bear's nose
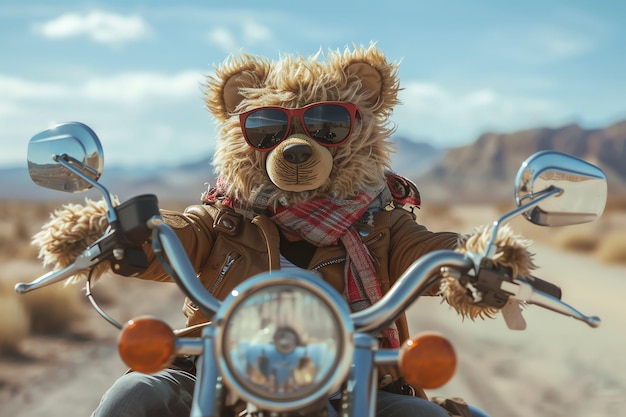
297	153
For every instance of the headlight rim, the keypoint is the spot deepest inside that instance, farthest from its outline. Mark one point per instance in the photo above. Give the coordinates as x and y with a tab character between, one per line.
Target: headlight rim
313	283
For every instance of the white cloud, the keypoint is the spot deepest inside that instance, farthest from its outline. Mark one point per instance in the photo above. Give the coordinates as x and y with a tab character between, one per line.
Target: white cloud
254	32
130	87
135	114
545	44
563	35
249	32
222	38
138	86
127	108
561	43
452	118
16	88
99	26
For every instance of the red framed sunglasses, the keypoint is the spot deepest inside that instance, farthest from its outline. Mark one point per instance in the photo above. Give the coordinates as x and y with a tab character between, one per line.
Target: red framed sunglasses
329	123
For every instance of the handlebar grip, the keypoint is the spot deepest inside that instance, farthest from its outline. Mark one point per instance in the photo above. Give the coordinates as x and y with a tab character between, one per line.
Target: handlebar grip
133	216
543	286
491	276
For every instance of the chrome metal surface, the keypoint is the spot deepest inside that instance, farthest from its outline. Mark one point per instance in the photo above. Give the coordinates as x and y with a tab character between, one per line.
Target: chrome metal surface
186	275
583	189
526	293
82	263
66	162
251	317
387	357
490	247
73	142
360	391
405	290
207	395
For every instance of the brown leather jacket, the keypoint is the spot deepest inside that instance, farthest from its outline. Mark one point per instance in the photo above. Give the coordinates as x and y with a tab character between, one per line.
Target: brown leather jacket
225	249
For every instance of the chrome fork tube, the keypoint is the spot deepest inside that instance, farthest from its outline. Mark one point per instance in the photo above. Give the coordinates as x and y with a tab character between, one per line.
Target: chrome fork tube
208	389
359	396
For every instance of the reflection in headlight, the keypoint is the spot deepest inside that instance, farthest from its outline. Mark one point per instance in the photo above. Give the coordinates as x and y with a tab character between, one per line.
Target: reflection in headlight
283	341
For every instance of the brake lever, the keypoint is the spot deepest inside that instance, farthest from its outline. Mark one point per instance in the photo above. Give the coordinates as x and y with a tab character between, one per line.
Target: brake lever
527	294
87	259
495	287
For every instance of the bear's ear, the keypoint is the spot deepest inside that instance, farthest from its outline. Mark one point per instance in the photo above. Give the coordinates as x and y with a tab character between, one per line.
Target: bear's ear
232	89
379	78
224	90
371	80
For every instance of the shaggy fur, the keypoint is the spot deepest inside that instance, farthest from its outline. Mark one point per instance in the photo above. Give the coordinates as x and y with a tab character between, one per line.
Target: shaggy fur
361	76
295	82
71	229
512	251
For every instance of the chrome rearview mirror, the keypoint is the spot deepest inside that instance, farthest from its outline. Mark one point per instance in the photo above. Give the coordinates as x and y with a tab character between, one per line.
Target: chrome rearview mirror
580	189
554	189
67	157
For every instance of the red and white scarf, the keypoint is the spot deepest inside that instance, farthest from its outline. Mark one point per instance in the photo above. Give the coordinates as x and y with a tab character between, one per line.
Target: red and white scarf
323	222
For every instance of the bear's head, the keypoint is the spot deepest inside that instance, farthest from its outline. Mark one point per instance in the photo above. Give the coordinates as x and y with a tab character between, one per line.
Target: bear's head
303	127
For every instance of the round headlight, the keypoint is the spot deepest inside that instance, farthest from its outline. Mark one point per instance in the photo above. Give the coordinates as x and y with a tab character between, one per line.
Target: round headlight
284	340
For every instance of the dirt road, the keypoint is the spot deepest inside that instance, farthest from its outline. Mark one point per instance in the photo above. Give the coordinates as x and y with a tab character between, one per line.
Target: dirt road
558	367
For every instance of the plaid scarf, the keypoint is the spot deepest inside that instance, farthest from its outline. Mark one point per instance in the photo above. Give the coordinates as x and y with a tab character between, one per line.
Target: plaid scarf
322	222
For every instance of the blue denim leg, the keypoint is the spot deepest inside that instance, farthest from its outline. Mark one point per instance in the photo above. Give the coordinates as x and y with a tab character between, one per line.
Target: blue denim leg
397	405
166	393
169	394
476	412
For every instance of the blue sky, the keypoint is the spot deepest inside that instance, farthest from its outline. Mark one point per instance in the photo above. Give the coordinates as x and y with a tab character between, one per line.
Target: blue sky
132	69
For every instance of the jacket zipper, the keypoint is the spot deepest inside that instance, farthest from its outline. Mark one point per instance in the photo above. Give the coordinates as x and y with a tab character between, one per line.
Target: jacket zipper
230	260
343	259
328	262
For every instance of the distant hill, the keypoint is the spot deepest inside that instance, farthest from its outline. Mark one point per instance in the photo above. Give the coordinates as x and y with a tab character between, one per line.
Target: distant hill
183	182
180	183
480	171
487	167
186	182
412	159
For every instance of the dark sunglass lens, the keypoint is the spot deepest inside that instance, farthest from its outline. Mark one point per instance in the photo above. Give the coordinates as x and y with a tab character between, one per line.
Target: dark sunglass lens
266	127
328	123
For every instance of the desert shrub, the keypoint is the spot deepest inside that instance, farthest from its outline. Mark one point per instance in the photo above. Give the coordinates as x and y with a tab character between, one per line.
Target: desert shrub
612	247
19	221
616	202
15	323
53	309
50	309
576	238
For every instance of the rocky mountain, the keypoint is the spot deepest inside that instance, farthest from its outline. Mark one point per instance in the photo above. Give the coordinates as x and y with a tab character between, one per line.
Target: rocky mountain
414	158
186	182
487	167
479	171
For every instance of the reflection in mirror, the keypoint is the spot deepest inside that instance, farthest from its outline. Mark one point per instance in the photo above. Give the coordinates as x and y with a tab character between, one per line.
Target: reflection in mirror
583	189
74	142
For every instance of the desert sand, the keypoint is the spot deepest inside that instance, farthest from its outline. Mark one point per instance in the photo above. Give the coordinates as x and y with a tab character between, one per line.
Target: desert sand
557	367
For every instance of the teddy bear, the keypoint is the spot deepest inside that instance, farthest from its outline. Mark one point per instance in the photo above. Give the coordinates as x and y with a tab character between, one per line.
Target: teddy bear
304	179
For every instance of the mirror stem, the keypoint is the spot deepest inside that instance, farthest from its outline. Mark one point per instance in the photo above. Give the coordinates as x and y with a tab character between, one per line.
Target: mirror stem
66	161
490	249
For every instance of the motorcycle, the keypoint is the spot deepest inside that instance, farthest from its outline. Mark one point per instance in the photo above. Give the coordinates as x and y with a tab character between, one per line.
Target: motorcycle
261	346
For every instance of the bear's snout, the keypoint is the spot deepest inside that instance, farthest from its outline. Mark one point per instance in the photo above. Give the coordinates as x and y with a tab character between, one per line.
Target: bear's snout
297	153
299	164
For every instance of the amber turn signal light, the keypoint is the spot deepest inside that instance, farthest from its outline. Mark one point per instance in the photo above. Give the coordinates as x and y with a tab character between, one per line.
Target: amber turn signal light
147	344
427	361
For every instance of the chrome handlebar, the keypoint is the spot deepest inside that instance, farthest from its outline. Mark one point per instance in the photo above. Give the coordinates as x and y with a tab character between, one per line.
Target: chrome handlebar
527	294
89	258
415	280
